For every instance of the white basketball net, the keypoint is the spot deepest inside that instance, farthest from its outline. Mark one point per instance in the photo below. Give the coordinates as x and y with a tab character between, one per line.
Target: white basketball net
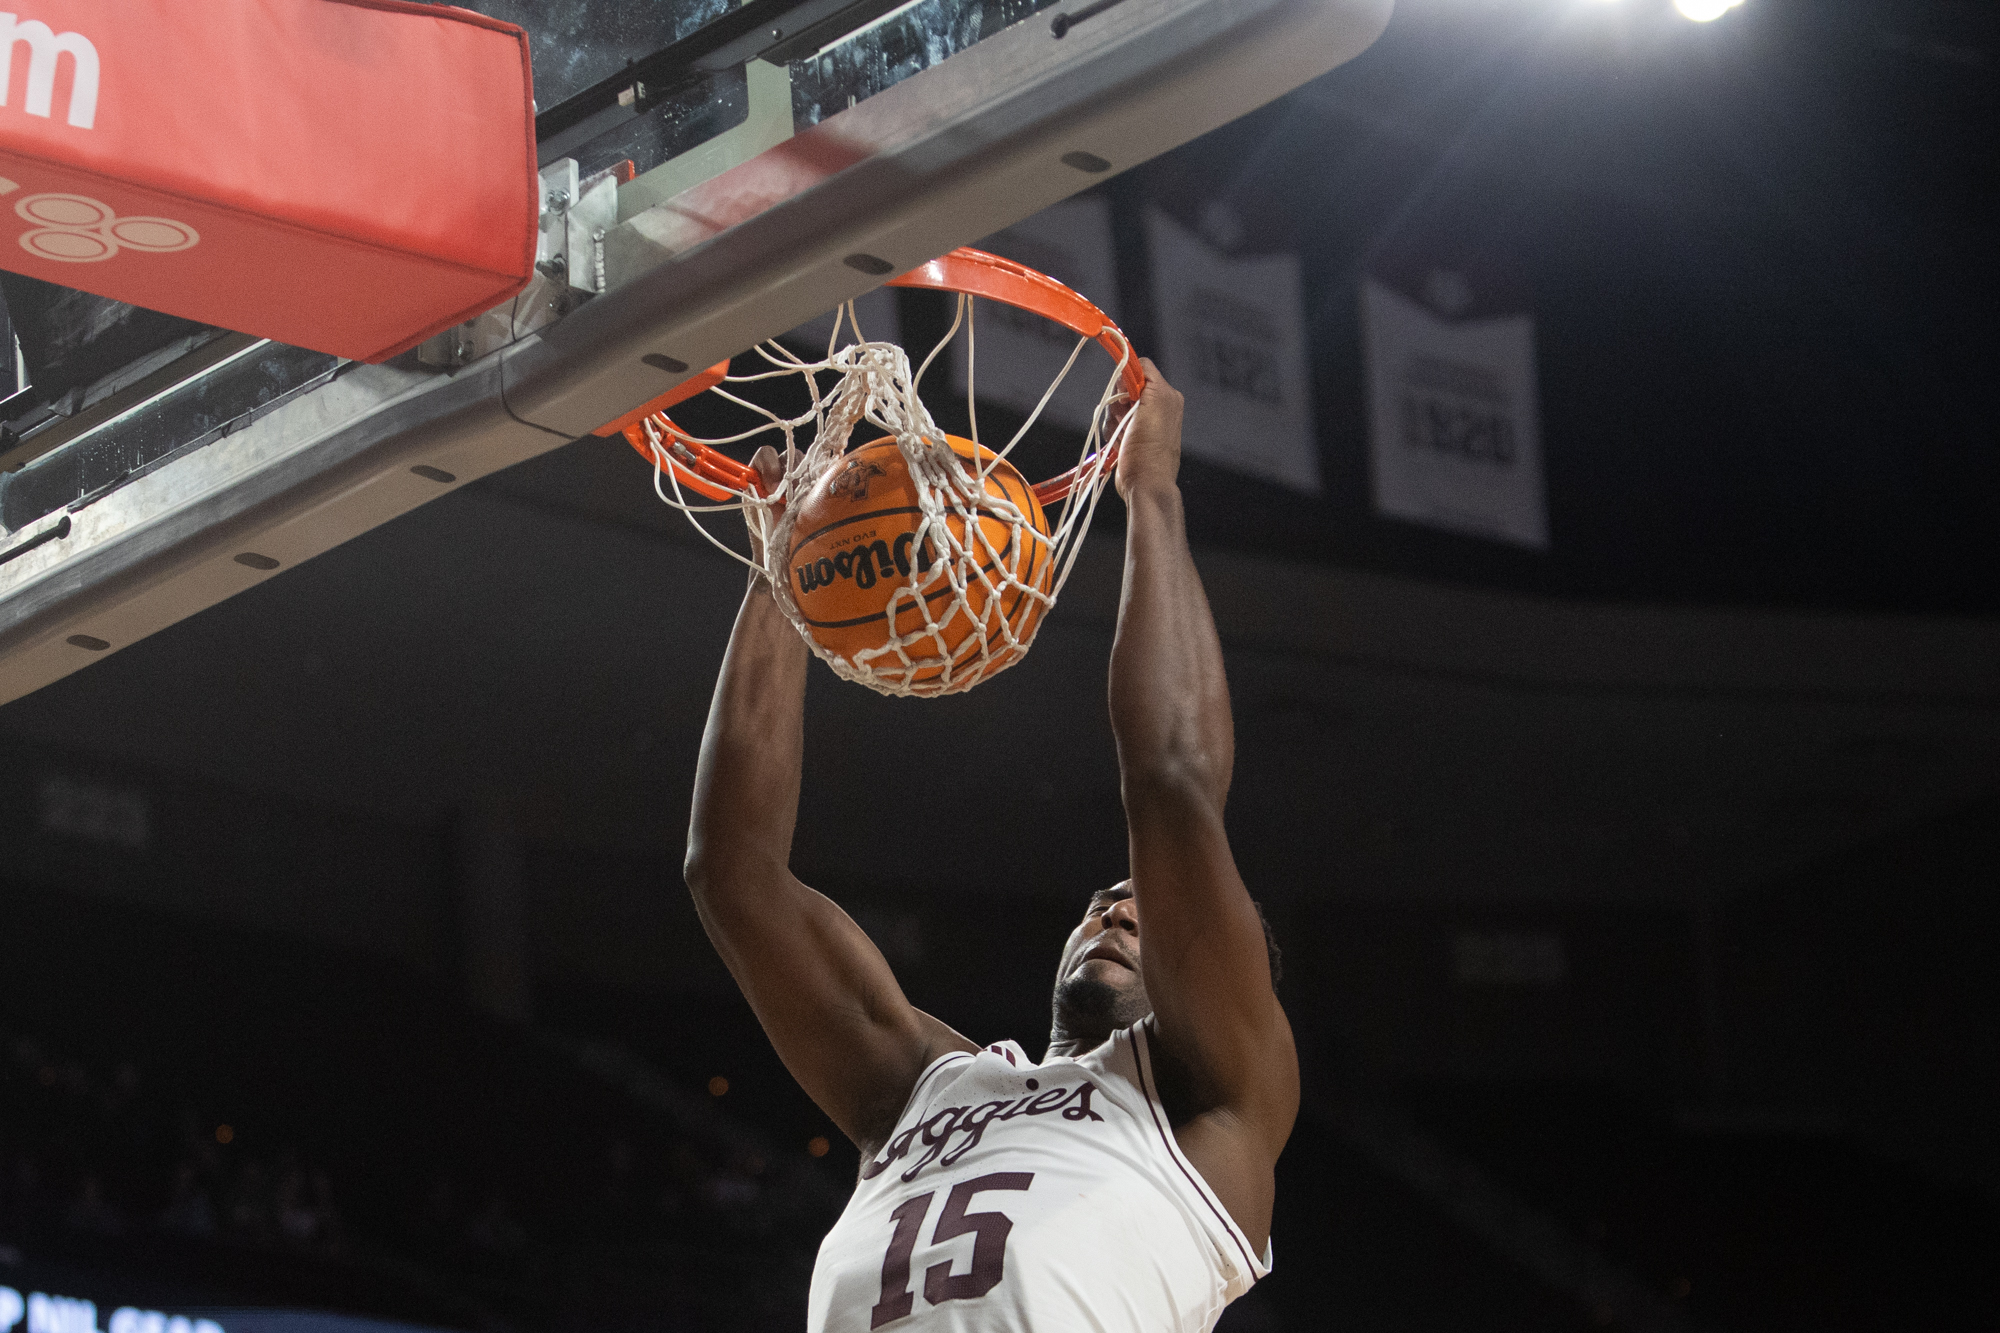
968	576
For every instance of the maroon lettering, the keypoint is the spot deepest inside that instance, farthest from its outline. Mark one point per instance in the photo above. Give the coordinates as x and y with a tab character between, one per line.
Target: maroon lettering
989	1231
971	1123
989	1246
935	1138
892	1151
897	1298
974	1126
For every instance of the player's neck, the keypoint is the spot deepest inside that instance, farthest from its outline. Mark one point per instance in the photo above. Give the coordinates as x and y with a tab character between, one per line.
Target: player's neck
1083	1018
1068	1044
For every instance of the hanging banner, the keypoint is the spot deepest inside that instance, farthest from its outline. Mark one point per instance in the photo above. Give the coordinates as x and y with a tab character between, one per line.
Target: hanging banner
1016	355
1233	341
1454	423
876	312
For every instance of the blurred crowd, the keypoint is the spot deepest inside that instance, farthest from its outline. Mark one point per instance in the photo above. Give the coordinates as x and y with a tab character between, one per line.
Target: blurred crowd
104	1155
96	1152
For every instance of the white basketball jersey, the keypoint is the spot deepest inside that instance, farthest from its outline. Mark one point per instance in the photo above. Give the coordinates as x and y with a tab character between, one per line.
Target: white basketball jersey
1023	1198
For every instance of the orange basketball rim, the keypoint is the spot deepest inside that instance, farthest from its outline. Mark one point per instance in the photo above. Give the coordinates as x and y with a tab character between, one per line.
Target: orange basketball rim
709	472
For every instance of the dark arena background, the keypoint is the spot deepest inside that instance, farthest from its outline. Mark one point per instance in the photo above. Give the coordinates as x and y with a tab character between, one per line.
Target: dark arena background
1624	809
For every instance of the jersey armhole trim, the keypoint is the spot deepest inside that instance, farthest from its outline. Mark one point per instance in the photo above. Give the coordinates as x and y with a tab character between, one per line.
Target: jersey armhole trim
1253	1267
916	1089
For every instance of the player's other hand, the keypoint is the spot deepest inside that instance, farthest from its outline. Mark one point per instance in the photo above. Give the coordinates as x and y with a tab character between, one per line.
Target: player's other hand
1151	454
770	469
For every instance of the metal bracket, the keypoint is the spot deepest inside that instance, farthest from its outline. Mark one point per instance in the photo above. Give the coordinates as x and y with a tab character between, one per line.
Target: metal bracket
569	267
575	216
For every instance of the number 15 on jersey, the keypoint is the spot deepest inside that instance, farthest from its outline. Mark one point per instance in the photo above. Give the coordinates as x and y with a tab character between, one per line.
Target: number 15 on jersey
989	1247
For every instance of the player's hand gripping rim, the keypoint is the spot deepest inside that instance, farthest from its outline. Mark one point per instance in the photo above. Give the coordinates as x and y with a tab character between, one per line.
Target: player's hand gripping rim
770	469
1150	456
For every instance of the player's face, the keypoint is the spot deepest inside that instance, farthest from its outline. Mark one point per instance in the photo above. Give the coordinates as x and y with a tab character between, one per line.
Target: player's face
1106	942
1098	984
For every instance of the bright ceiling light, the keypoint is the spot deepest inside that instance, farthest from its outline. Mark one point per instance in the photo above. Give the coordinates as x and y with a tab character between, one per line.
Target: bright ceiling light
1705	11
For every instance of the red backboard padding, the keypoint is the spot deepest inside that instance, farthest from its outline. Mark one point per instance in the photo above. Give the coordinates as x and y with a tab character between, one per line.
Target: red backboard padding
346	175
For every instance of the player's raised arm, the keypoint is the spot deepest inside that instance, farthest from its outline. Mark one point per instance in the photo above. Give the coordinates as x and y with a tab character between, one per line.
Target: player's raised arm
818	984
1205	963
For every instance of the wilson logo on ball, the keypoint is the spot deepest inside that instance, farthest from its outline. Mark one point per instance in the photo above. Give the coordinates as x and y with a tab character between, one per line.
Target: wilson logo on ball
877	582
863	563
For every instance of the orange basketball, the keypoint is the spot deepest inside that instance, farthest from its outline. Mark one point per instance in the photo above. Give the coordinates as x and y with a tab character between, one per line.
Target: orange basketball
855	550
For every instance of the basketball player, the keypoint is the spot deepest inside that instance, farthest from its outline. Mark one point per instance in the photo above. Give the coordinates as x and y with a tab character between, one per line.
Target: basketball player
1125	1182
